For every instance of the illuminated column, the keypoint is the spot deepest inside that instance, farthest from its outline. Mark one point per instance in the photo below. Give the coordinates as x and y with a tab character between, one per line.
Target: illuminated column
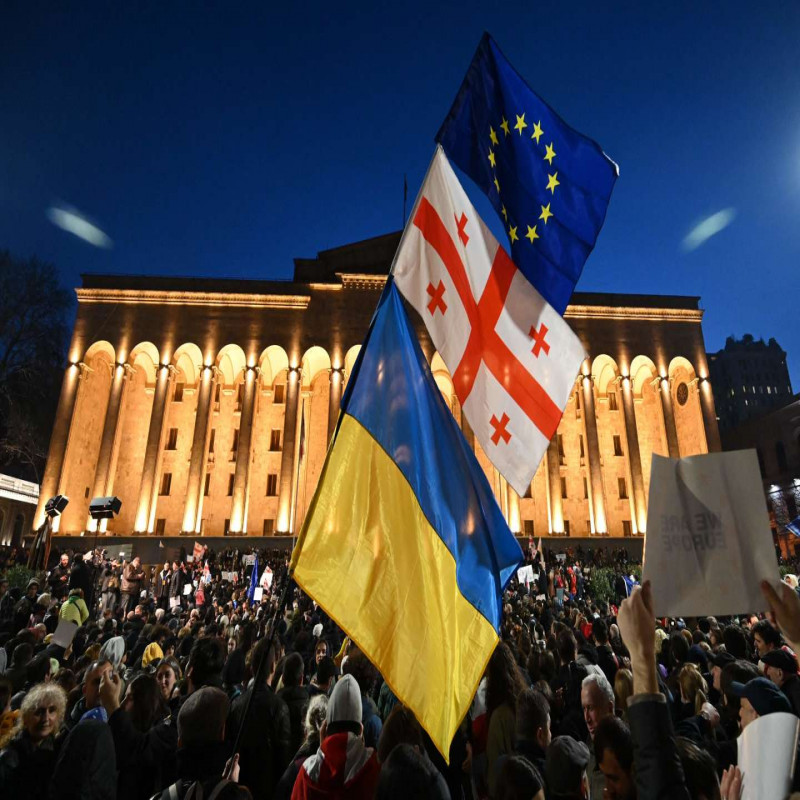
58	439
300	459
110	426
593	445
638	495
556	514
336	379
240	477
287	475
669	419
513	510
148	487
709	415
197	462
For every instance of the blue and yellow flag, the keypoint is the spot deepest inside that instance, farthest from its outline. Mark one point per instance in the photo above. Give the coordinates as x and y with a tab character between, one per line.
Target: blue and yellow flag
550	184
404	545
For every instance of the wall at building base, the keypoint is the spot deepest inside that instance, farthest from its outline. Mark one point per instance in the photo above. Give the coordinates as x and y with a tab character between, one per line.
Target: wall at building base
147	548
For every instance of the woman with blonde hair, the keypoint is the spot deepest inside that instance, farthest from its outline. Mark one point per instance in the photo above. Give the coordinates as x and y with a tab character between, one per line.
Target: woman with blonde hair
694	689
623	690
27	760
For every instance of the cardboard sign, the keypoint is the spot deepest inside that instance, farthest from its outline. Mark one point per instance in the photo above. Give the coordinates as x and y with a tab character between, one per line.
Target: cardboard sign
708	544
258	593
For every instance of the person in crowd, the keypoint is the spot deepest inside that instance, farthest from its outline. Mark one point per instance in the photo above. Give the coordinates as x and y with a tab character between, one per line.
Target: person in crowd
27	761
766	638
264	745
606	658
781	668
114	650
519	779
132	578
59	578
407	773
162	586
74	609
315	718
322	681
17	672
203	771
87	764
567	686
343	767
90	691
623	689
597	702
759	697
565	769
532	734
365	675
26	605
38	670
168	673
296	697
613	753
109	585
81	577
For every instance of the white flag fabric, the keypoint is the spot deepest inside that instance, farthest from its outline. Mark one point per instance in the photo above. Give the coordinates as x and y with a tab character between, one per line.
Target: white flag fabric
512	357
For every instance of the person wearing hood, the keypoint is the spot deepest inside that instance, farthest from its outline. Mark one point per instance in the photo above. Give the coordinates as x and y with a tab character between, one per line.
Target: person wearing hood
26	605
114	651
343	767
74	609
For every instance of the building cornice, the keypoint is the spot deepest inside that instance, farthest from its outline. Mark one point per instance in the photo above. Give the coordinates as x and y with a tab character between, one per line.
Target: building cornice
360	280
632	313
171	298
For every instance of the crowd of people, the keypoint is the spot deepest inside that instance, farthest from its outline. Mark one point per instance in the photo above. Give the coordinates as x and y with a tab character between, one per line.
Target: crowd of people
178	681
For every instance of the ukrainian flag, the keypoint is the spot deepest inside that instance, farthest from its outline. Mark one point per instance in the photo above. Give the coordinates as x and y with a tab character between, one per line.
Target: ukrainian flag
404	544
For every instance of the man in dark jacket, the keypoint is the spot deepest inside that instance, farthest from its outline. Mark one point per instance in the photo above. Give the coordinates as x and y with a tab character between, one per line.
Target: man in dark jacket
781	669
533	728
606	659
80	577
264	746
296	697
24	608
58	578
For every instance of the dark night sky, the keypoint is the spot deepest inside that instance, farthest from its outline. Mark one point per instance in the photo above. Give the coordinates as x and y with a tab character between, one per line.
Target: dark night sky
227	138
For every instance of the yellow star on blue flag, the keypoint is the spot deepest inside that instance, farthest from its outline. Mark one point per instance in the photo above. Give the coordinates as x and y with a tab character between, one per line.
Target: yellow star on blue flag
492	93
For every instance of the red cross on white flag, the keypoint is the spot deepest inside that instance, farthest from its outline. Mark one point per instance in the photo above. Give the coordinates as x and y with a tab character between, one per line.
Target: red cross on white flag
512	357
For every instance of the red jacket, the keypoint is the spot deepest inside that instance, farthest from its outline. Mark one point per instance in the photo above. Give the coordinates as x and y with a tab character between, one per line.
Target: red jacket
343	767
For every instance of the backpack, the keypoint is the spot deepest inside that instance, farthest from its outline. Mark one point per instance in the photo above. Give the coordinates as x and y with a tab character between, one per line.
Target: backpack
193	790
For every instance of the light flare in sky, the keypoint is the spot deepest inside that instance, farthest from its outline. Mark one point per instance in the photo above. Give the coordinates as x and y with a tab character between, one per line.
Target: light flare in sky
709	227
72	221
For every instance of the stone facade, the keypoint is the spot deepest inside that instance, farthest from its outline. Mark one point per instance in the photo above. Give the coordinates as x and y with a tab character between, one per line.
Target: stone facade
207	405
18	501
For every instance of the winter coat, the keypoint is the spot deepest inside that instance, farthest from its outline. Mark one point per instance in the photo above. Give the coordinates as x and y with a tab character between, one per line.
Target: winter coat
296	699
80	577
264	747
343	767
132	580
87	765
74	610
25	769
371	721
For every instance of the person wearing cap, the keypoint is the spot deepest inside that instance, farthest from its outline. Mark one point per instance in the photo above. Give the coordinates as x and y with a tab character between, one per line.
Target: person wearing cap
343	767
718	662
565	769
781	668
759	697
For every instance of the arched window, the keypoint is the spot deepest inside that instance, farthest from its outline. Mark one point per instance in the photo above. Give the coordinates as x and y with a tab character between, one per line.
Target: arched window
780	457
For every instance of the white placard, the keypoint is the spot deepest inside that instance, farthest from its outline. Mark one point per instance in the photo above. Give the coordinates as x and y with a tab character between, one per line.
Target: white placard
767	750
248	561
64	633
187	590
708	544
189	559
258	593
525	574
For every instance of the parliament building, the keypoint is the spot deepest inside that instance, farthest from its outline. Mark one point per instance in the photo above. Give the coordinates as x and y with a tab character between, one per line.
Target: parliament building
207	405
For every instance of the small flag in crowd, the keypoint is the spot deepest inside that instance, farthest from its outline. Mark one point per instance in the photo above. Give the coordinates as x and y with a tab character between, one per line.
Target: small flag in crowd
513	358
197	552
253	580
550	184
404	523
794	526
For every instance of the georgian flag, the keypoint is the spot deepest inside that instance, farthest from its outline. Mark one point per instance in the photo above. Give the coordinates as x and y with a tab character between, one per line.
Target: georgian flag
512	357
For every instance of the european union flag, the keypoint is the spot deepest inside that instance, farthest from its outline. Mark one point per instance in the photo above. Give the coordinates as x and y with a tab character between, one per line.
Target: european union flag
794	526
550	184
